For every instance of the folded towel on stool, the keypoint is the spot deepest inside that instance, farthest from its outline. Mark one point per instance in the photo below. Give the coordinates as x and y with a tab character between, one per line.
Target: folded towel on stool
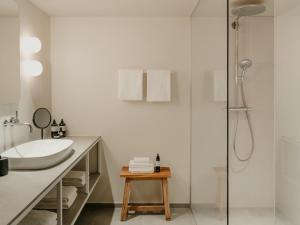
74	178
141	170
141	160
40	217
141	165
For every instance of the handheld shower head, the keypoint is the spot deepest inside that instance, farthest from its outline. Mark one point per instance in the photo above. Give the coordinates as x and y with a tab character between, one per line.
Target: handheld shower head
245	64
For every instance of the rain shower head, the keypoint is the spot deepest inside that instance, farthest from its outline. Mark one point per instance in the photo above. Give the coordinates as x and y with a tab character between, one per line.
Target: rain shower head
245	64
248	10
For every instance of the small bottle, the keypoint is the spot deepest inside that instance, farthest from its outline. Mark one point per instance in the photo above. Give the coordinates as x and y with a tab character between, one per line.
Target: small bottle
62	128
54	129
157	164
60	133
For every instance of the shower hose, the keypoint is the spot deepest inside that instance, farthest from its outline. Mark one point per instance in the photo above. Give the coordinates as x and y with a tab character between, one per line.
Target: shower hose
240	86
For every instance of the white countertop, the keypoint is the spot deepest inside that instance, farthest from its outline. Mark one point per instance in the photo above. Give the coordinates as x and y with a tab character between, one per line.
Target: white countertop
20	189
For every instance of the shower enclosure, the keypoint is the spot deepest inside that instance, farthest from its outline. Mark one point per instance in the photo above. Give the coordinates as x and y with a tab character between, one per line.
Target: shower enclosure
245	109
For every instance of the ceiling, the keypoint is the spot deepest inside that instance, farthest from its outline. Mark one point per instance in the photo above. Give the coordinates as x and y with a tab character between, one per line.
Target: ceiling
290	8
8	8
116	7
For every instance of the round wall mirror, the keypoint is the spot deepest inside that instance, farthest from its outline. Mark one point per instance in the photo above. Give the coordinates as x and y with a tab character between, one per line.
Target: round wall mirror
42	119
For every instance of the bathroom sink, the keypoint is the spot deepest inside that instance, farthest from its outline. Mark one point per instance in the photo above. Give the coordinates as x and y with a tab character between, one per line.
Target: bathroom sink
38	154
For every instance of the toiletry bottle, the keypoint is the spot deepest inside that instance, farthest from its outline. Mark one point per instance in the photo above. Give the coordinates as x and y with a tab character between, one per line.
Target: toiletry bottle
54	129
157	164
3	166
62	128
60	133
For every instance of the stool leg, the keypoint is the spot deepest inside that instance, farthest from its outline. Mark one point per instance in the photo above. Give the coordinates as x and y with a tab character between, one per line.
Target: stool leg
125	200
162	189
166	199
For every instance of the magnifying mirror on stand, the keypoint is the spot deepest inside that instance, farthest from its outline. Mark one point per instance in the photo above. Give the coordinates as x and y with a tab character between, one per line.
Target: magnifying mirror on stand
42	119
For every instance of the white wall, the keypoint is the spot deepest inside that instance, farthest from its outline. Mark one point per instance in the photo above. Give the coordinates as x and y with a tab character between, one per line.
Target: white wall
9	60
35	91
287	47
86	55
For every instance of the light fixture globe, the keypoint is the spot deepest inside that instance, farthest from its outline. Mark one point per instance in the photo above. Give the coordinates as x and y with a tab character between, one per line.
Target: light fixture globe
30	45
32	68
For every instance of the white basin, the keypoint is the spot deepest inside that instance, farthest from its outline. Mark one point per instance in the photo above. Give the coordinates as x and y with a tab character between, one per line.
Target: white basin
38	154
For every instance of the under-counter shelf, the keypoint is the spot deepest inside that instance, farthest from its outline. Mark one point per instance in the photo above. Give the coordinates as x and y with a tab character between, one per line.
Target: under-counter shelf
70	215
16	201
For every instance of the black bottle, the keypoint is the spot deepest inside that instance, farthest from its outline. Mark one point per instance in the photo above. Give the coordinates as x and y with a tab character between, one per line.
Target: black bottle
54	129
157	164
3	166
62	128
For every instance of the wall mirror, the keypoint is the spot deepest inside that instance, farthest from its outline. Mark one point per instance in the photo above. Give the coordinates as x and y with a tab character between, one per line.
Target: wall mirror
9	54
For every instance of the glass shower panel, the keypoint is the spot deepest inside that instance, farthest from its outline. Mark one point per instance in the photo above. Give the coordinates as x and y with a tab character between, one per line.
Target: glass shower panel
209	114
251	113
288	110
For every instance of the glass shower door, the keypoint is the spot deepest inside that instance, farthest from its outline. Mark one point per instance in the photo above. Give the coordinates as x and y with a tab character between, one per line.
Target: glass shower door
251	113
287	33
209	114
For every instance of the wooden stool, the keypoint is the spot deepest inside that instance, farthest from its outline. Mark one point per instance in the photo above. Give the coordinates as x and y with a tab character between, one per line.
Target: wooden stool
163	176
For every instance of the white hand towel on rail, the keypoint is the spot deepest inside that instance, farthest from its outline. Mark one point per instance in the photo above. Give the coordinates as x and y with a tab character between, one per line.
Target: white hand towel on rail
158	85
131	85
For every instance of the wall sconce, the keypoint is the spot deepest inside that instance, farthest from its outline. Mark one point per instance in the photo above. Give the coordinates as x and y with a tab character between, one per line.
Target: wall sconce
30	45
32	67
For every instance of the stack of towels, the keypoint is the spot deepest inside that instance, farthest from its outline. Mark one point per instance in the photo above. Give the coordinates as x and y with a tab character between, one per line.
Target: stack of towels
141	165
40	217
72	181
74	178
69	195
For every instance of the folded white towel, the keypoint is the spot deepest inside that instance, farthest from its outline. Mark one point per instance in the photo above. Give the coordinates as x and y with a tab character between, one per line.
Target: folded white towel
139	170
74	178
40	217
75	183
53	205
141	166
133	164
131	85
158	85
69	195
141	159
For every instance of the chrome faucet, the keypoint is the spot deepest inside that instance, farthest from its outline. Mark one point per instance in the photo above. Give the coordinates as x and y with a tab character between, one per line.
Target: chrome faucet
14	121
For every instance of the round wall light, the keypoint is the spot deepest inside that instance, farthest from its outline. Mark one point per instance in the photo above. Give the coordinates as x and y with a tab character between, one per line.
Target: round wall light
32	68
30	45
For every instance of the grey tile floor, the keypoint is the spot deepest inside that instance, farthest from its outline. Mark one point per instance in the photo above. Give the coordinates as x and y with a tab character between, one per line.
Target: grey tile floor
92	215
242	216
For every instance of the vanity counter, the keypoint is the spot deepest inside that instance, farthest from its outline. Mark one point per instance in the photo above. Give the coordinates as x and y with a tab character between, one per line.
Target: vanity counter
20	191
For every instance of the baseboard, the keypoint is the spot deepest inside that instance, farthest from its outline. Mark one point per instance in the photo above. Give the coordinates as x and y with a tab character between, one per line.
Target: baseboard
119	205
